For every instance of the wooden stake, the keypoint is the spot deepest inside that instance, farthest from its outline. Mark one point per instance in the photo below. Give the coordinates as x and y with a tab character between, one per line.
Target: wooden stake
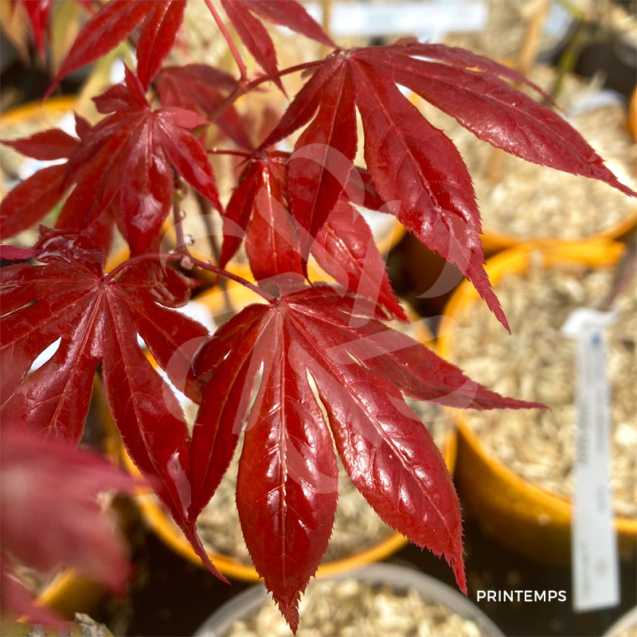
525	61
531	43
327	21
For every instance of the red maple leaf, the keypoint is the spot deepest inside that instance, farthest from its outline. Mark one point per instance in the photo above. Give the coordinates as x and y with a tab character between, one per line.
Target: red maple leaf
326	365
27	203
312	347
123	168
160	21
415	169
197	87
360	191
48	484
15	253
258	210
33	198
96	317
344	248
287	13
38	12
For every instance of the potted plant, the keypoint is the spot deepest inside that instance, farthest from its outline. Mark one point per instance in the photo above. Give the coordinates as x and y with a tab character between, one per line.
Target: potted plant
382	599
324	359
514	210
517	473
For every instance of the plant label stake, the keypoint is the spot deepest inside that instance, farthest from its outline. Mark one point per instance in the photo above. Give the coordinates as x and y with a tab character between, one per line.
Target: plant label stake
594	541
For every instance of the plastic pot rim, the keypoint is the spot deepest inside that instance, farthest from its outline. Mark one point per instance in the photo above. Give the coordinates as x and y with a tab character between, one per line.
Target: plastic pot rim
400	578
493	241
629	620
61	105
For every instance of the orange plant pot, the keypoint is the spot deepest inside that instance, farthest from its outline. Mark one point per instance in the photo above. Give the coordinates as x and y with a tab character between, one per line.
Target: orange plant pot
160	521
494	242
70	593
35	112
522	516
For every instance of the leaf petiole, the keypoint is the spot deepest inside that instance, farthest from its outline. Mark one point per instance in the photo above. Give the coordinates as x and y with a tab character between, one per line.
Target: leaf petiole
229	40
179	256
234	277
242	89
172	256
223	151
273	76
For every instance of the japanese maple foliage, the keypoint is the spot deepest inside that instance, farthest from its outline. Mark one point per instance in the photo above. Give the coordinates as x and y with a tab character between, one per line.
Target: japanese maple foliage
314	364
123	169
70	299
287	486
50	485
38	12
416	170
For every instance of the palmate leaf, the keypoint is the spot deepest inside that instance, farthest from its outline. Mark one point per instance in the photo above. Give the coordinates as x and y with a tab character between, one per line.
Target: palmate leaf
415	169
132	155
314	347
344	248
97	317
123	169
197	87
160	21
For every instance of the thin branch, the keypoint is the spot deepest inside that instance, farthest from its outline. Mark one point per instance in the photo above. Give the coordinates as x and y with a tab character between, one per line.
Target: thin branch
223	151
524	64
177	219
242	89
205	210
181	256
229	40
234	277
568	59
573	9
624	272
237	92
172	256
291	69
530	46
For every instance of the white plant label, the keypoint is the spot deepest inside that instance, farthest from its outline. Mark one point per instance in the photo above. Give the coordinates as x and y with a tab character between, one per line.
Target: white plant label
594	541
430	20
